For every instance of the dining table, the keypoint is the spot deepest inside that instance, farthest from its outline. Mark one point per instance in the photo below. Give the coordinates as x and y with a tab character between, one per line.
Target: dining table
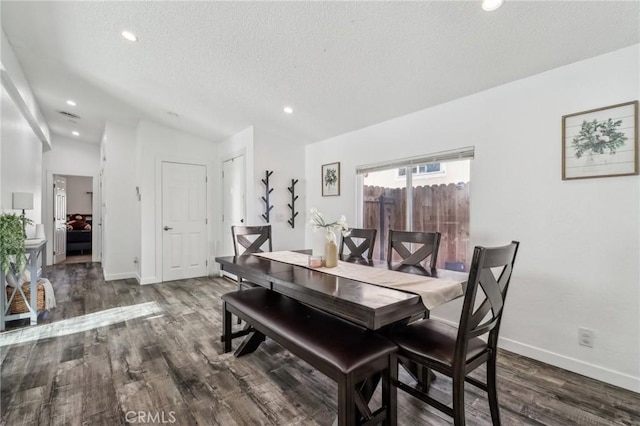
401	293
373	306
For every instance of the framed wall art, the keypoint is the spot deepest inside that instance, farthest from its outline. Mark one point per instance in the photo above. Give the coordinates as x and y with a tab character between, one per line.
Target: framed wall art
601	142
331	179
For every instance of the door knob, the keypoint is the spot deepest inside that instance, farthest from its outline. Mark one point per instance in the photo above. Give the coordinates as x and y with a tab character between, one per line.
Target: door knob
241	220
166	228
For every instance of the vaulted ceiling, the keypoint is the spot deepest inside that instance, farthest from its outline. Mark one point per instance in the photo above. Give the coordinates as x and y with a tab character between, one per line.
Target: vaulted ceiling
214	68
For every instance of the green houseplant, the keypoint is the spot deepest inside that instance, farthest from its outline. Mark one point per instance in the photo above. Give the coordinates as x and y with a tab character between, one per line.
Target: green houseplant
12	249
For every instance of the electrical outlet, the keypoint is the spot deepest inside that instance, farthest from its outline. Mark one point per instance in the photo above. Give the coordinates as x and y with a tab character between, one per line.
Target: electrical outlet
585	337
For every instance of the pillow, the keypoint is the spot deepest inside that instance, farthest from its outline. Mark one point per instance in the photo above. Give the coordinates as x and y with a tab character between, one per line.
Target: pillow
78	224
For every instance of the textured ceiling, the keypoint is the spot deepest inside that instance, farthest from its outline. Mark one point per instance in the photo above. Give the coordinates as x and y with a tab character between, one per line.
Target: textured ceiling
223	66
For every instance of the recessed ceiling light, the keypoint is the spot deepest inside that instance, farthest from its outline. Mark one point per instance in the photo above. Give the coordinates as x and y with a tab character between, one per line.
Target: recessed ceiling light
288	110
129	36
74	133
491	5
70	102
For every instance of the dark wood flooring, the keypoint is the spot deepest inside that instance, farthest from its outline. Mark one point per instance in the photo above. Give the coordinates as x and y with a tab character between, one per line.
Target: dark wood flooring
116	353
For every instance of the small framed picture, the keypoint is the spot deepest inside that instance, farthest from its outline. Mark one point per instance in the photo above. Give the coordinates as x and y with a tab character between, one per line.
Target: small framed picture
601	142
331	179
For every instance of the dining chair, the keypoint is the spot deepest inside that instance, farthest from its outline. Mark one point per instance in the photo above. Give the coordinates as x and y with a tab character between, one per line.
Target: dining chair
251	239
359	241
423	244
248	240
457	351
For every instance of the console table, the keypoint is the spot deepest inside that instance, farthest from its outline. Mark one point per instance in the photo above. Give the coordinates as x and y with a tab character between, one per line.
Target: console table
33	252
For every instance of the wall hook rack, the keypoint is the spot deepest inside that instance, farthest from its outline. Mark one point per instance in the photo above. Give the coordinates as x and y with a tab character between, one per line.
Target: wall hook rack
294	197
268	207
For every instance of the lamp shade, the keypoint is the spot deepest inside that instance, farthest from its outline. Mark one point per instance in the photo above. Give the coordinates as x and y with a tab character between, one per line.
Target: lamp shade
23	201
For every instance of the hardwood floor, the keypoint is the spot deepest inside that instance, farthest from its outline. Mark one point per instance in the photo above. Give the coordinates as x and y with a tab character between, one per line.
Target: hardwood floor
116	353
77	258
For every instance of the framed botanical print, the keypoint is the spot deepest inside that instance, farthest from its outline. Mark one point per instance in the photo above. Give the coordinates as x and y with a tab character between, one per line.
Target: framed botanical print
331	179
601	142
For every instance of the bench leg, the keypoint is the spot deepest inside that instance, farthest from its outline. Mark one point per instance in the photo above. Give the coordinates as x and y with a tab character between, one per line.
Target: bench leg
246	329
226	326
239	289
249	344
390	392
346	401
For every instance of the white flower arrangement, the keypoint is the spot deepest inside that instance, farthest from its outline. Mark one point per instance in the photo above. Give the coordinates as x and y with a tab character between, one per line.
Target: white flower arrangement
318	221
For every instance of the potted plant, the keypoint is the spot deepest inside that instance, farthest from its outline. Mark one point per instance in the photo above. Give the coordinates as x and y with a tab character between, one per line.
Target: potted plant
12	250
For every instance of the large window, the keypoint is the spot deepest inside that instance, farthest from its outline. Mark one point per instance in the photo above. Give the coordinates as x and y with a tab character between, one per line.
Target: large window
427	199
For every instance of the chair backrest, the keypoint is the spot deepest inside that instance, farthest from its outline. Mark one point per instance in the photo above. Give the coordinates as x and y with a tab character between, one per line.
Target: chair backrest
424	244
482	317
358	242
251	239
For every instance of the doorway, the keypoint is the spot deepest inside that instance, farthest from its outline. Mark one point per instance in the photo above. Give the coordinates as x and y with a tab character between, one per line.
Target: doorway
233	199
73	232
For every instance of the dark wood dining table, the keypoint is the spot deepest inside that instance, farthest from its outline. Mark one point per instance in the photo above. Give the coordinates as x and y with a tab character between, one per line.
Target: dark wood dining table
369	305
372	306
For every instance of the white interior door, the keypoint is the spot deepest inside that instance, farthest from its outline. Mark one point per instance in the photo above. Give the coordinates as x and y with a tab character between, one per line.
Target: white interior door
234	199
59	218
184	221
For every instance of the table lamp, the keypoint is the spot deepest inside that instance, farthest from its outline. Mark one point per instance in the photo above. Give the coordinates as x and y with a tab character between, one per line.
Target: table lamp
23	201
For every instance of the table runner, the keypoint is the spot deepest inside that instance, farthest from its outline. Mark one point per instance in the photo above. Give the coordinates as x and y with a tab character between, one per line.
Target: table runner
433	291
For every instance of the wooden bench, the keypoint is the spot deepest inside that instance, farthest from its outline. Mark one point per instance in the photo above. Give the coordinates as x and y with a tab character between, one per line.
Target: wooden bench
341	350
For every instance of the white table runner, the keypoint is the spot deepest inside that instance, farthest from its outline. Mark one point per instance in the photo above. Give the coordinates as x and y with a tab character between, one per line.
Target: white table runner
433	291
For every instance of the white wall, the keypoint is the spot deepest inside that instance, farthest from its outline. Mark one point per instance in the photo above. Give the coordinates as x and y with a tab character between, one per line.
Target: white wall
17	85
20	160
23	133
580	240
285	157
77	158
120	218
157	143
72	157
79	194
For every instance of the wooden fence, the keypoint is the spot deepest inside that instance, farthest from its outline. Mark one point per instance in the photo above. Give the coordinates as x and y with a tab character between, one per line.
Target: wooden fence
443	208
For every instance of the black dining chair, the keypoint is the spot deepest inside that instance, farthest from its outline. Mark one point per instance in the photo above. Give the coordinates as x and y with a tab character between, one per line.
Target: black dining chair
358	241
423	245
248	240
251	239
457	351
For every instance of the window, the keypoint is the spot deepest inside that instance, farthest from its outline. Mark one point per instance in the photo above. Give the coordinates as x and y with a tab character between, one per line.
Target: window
426	199
423	169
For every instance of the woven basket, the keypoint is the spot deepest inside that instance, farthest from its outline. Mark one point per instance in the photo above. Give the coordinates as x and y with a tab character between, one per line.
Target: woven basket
18	306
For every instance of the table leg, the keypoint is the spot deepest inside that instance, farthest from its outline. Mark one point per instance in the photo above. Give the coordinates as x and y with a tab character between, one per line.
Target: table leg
3	300
33	285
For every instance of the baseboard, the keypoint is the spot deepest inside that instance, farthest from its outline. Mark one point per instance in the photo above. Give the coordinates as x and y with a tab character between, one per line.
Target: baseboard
574	365
148	280
120	276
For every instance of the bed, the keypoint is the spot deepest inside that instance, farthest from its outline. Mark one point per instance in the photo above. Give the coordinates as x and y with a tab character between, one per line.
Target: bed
79	233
